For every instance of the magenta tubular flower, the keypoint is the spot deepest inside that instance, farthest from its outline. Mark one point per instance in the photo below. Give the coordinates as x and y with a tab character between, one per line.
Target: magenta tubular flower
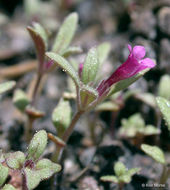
132	66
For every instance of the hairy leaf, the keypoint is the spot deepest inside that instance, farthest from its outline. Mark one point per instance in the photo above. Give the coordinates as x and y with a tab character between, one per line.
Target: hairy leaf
37	145
15	160
155	152
65	34
90	66
164	106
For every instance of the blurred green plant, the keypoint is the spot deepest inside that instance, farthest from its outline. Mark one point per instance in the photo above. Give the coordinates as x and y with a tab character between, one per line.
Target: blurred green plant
134	127
122	175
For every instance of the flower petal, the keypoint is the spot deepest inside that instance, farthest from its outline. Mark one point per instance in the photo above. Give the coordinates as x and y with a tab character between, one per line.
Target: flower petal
148	62
138	52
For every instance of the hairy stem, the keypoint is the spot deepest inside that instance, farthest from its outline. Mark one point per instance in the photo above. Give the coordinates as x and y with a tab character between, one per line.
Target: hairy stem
35	90
69	130
58	153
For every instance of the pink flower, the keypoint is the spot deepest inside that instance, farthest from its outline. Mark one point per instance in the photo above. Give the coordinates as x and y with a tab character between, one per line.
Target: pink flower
133	65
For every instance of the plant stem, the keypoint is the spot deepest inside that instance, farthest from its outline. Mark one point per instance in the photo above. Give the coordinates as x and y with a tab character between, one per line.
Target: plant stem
69	130
37	83
58	153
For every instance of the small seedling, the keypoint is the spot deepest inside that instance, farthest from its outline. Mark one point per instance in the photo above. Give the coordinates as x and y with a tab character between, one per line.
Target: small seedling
134	128
122	175
33	168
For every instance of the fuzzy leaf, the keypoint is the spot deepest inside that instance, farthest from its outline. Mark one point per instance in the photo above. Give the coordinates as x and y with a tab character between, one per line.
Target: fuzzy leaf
164	106
43	170
164	87
61	116
71	50
15	160
90	66
119	168
6	86
32	178
103	51
61	62
109	178
38	36
87	96
37	145
155	152
46	168
4	174
20	99
8	187
121	85
65	34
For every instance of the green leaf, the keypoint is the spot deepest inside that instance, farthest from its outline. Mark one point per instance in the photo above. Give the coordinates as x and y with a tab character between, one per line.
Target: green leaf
164	87
7	86
155	152
61	116
151	130
8	187
15	160
43	170
133	125
65	34
164	106
87	96
61	62
39	38
133	171
109	178
107	106
46	168
20	99
37	145
71	50
119	169
32	178
90	66
121	85
124	178
4	174
103	51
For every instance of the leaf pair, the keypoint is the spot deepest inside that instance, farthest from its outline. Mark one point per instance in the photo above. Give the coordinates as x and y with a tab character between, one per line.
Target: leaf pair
61	43
31	166
123	175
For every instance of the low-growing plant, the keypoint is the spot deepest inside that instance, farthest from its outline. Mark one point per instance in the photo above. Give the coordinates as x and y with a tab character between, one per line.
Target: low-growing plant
32	168
122	175
134	128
